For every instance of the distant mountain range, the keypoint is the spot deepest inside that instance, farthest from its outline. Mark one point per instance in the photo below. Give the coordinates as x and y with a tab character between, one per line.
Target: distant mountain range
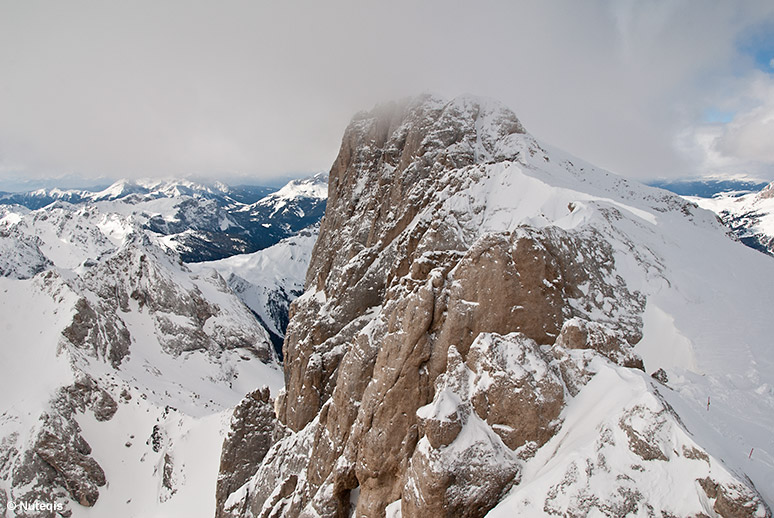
707	187
200	222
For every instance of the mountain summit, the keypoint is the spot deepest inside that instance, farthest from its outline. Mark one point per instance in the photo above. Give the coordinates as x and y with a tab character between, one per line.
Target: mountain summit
480	317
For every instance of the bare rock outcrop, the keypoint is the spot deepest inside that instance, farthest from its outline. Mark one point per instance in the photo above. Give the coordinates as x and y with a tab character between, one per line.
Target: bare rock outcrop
104	311
434	351
578	333
731	500
460	468
254	429
20	255
98	336
767	192
392	287
517	389
157	282
60	463
390	164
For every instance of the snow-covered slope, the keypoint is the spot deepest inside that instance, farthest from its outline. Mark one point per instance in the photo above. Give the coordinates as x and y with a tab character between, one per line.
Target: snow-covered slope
267	281
119	366
479	307
750	216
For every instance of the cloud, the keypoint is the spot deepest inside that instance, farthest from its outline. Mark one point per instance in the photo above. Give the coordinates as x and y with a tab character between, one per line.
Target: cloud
256	88
739	141
750	135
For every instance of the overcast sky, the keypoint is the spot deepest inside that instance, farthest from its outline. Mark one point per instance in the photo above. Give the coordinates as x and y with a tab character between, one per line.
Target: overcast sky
651	88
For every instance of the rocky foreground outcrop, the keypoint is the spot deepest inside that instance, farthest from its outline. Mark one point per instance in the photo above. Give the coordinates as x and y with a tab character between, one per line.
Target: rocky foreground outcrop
446	326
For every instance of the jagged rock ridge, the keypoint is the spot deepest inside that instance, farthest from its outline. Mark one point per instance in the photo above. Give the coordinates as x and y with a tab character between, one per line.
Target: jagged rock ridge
468	290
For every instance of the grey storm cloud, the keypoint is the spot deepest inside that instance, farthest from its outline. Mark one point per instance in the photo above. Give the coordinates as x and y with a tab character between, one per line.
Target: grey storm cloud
264	89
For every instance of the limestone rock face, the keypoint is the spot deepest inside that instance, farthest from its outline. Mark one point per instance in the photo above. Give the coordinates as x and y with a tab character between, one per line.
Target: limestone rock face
254	429
99	337
60	456
183	317
444	328
21	255
389	166
767	192
578	333
517	390
463	470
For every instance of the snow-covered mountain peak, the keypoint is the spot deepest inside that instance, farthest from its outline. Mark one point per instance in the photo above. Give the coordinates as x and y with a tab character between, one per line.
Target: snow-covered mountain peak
120	334
138	356
119	189
152	187
472	295
315	187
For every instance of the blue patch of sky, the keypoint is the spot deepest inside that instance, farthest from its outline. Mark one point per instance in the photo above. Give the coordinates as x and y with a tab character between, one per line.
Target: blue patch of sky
756	47
715	116
758	44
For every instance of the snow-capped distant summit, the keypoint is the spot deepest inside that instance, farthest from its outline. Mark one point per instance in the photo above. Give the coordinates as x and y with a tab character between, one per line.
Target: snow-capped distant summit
296	198
313	187
119	189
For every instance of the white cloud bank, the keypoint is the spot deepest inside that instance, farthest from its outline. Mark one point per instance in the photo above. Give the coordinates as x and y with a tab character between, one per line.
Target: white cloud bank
266	88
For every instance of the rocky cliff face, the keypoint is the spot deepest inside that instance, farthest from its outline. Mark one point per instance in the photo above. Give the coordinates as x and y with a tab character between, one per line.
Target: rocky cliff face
465	292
